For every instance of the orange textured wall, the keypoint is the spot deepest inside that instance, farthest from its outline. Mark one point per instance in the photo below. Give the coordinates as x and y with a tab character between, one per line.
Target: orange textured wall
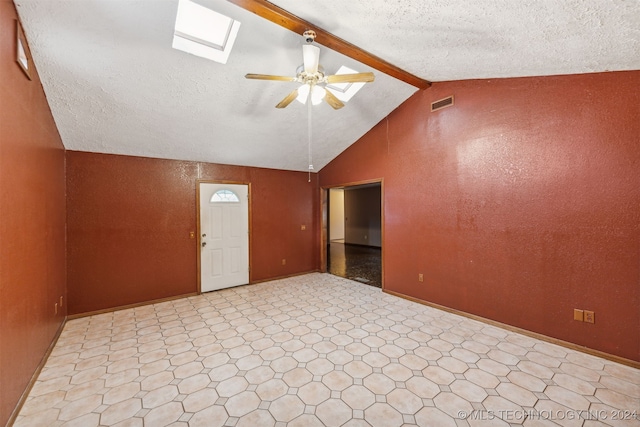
32	221
129	220
518	204
281	203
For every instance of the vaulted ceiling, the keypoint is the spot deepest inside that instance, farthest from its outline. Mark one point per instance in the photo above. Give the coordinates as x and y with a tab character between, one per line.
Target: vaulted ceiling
115	85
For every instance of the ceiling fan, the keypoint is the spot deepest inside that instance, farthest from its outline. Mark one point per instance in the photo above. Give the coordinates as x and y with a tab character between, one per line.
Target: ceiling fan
312	78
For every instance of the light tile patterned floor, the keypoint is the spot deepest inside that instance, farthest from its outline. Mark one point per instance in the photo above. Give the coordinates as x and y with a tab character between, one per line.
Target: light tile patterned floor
317	350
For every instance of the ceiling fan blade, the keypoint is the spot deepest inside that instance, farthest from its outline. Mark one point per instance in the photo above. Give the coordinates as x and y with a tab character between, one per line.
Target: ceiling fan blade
269	77
351	78
287	100
332	100
311	57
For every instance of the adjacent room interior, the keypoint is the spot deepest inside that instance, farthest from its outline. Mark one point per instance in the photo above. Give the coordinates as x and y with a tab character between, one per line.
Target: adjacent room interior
487	161
354	242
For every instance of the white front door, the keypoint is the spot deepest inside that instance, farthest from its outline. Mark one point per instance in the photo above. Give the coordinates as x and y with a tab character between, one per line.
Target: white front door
224	236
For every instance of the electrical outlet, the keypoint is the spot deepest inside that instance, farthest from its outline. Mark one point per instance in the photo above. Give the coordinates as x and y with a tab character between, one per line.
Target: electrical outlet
420	277
578	315
284	261
589	316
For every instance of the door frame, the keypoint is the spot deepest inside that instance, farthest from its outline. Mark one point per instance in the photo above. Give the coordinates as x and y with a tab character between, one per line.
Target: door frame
324	220
199	231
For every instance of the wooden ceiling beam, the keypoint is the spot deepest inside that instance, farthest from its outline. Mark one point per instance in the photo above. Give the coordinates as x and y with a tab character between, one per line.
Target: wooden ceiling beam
298	25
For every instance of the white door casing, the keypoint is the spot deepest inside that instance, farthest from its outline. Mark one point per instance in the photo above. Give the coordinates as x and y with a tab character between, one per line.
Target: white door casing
224	235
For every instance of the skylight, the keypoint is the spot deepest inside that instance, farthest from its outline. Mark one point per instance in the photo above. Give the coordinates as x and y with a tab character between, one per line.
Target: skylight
204	32
345	91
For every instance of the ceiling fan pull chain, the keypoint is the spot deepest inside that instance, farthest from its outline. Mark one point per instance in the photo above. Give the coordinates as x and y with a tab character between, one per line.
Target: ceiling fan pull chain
309	127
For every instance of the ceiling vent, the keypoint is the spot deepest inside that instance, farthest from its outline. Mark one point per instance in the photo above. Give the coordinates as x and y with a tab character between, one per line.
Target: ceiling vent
442	103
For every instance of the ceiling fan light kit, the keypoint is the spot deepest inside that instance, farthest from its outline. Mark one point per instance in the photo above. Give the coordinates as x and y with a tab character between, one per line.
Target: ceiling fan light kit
318	93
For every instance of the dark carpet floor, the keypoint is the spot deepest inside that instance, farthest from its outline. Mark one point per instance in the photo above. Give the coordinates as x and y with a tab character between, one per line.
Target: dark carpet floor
355	262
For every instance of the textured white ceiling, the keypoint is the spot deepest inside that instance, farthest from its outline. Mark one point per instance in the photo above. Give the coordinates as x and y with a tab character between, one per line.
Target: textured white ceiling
443	40
115	85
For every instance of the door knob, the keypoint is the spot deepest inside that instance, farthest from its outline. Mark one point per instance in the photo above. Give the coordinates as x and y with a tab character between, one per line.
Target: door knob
204	244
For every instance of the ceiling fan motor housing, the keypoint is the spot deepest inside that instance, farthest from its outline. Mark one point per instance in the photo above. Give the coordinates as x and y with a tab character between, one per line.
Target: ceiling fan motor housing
307	78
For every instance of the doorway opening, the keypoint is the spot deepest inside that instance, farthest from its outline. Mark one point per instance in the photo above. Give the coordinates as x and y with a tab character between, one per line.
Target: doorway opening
353	224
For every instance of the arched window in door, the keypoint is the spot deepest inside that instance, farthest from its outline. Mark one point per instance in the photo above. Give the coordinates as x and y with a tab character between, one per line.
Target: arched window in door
224	196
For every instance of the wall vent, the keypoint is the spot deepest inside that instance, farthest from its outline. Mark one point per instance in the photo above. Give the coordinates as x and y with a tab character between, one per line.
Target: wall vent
442	103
